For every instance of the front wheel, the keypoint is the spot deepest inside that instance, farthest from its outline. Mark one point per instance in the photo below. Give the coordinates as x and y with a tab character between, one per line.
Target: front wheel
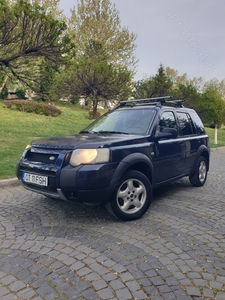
198	178
132	196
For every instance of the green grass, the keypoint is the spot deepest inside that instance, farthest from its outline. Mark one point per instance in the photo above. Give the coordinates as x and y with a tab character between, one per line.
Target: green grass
17	129
220	137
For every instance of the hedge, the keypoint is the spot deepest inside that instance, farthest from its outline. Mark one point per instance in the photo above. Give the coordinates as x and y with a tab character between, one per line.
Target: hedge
33	107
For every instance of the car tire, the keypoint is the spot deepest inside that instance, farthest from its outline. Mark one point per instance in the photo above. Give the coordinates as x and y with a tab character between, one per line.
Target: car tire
132	196
198	178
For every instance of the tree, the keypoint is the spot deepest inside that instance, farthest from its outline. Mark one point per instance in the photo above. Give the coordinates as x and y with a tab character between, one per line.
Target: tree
3	80
184	80
28	34
143	88
51	7
47	76
211	108
95	80
217	85
20	93
162	83
155	86
104	62
173	75
188	93
98	21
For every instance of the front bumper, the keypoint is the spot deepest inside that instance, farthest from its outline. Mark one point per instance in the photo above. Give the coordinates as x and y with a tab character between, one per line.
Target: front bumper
85	183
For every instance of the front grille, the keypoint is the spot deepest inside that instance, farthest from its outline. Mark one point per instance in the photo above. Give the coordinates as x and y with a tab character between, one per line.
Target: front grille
45	158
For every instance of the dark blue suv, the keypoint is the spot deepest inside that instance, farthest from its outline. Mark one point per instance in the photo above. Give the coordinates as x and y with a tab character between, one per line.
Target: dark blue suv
120	157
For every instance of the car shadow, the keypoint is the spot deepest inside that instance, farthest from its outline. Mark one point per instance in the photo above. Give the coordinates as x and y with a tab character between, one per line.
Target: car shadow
79	211
83	213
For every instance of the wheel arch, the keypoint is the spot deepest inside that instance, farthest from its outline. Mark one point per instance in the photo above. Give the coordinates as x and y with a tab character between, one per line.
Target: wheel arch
202	151
135	161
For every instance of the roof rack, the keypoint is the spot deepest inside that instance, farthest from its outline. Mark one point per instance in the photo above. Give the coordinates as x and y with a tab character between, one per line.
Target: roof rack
158	101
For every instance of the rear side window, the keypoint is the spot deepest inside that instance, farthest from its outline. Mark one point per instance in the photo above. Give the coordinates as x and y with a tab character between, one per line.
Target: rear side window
198	123
186	124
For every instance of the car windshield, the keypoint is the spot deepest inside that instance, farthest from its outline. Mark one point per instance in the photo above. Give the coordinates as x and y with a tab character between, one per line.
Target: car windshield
124	121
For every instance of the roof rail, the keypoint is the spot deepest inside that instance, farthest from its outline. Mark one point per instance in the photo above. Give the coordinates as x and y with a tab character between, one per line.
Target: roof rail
145	100
158	101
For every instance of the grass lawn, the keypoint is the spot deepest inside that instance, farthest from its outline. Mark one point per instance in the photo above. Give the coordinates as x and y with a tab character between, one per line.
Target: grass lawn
220	137
18	129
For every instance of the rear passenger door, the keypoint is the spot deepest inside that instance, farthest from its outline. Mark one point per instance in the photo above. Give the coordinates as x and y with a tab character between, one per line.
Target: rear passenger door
188	134
170	152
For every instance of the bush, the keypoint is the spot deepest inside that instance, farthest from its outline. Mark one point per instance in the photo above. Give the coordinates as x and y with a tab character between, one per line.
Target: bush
20	93
33	107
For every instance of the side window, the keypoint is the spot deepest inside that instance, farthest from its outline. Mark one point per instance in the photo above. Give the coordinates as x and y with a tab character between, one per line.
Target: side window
167	119
186	124
198	123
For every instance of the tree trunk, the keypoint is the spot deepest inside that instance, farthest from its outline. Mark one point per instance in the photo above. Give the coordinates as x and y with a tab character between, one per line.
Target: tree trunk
89	103
215	134
95	105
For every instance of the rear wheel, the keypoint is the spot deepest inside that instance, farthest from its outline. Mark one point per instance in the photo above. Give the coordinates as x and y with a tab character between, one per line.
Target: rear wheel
132	196
198	178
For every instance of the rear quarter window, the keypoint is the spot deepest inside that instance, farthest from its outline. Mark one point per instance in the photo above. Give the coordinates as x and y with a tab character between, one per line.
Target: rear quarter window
198	123
186	124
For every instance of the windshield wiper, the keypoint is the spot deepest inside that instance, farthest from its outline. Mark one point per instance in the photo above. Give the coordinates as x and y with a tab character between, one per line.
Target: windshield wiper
88	131
116	132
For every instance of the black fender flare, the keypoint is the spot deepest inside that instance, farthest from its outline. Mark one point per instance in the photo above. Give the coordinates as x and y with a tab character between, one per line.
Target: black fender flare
202	151
127	162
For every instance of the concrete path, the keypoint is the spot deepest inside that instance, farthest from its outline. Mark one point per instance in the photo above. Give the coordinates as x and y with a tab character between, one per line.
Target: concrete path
52	249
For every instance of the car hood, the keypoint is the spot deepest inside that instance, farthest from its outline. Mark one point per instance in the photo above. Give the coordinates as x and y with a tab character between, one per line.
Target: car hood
72	142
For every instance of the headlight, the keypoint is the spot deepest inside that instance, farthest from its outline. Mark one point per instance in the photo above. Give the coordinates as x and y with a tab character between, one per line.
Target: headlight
89	156
25	151
28	146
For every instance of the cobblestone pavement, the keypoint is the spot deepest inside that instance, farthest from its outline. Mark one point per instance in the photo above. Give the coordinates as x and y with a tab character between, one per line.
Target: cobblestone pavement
52	249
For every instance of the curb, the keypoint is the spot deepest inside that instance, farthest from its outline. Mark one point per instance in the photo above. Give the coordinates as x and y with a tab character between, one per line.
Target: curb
7	182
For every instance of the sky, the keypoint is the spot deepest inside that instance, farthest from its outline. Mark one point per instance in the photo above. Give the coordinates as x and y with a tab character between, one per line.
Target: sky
187	35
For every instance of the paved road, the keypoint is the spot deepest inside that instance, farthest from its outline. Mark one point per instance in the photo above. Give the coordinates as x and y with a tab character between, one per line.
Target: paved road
57	250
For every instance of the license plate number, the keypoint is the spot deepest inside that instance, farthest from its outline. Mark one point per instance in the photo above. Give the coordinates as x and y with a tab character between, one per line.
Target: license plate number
35	179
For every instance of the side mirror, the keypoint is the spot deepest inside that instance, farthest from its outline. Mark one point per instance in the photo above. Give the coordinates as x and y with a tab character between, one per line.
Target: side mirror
167	133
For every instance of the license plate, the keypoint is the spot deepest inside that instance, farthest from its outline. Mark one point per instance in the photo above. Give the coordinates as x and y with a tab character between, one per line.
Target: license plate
35	179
